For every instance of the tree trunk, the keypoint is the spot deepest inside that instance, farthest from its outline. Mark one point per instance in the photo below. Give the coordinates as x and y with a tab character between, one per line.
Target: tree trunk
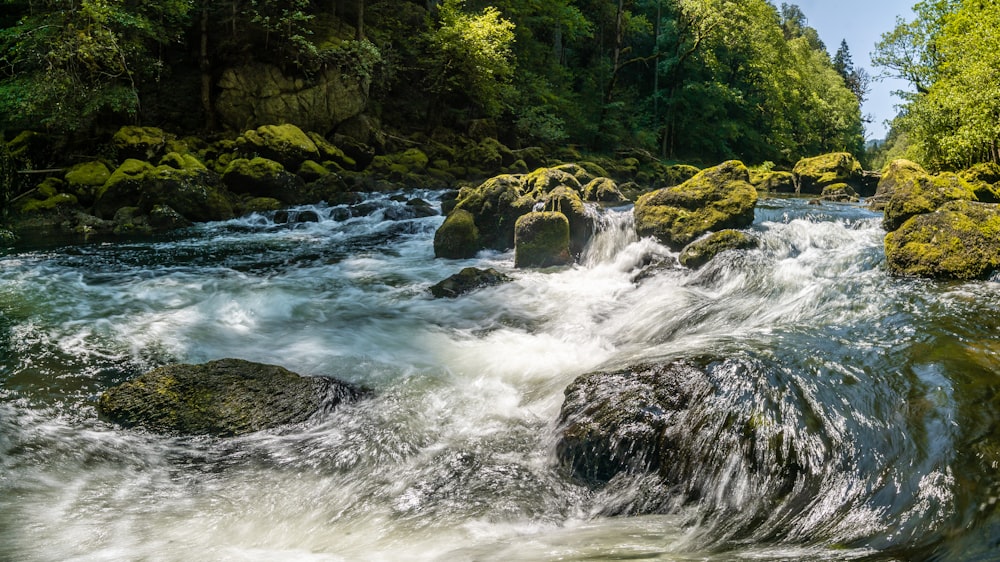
361	20
205	66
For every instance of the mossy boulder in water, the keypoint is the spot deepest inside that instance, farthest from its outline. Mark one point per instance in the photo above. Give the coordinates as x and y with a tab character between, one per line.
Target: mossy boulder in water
123	188
458	237
261	177
776	182
961	240
542	239
716	198
984	178
922	193
603	190
700	252
495	206
840	192
225	398
813	174
567	201
897	173
468	280
186	186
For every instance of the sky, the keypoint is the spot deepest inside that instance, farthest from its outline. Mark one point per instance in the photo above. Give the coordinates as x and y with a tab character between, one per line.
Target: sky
861	23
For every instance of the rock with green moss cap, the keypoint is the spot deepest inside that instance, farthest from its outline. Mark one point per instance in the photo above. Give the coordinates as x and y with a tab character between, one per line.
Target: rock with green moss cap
488	155
960	240
678	174
286	144
261	177
123	188
542	239
311	171
700	252
924	194
603	190
813	174
140	143
223	398
332	153
840	193
776	182
56	202
897	173
458	237
88	175
715	199
567	201
495	206
192	191
468	280
544	180
985	181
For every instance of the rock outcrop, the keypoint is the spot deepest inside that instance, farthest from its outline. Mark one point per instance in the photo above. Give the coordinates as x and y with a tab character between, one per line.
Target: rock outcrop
468	280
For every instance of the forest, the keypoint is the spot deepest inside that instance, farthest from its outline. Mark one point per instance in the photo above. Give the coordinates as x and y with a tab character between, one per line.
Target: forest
691	80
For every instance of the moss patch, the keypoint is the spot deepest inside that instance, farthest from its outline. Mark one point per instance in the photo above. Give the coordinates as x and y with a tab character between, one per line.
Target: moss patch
542	239
961	240
700	252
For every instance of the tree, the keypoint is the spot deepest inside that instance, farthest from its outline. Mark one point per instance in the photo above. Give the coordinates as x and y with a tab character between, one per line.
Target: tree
857	79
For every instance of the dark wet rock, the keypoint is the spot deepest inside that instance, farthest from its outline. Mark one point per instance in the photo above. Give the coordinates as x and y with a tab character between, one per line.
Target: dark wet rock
224	398
717	198
261	177
961	240
542	239
307	216
468	280
627	420
702	251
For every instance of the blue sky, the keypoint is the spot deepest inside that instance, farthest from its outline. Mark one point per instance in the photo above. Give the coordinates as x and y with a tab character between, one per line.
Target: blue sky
861	23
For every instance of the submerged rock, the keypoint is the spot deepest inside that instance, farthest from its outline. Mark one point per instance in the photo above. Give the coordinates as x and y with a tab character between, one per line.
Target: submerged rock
468	280
224	398
702	251
716	198
961	240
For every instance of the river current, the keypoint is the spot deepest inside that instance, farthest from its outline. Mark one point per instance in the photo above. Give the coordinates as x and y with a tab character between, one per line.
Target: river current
887	388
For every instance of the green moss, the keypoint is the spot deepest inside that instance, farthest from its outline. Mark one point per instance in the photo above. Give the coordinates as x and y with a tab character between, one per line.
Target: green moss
840	192
542	239
58	200
716	198
458	237
412	159
50	187
90	174
312	171
961	240
816	173
678	174
776	182
924	194
139	142
185	162
604	190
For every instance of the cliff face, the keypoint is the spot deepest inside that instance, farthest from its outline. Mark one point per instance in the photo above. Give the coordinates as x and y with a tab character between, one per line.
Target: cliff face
260	94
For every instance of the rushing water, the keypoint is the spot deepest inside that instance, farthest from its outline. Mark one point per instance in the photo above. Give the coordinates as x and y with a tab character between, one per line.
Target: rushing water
887	389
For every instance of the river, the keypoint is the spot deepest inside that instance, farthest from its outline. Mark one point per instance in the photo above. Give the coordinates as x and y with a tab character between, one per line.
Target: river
888	386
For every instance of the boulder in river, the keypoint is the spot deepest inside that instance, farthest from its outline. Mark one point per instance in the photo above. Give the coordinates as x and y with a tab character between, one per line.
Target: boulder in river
716	198
923	193
961	240
700	252
224	398
468	280
542	239
896	173
813	174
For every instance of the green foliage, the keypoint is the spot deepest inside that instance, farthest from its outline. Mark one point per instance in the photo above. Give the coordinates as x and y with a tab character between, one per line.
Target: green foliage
472	56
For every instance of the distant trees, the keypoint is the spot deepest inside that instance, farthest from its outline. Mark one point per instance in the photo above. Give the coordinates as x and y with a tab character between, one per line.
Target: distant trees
950	54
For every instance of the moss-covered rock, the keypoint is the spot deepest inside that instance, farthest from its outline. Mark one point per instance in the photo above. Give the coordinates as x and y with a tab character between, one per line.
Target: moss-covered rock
261	205
985	181
193	192
924	194
960	240
88	175
163	217
224	398
285	144
840	192
678	174
716	198
330	152
140	143
567	201
458	237
59	200
776	182
496	205
261	177
700	252
542	239
603	190
123	188
413	159
466	281
897	173
488	155
813	174
311	171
